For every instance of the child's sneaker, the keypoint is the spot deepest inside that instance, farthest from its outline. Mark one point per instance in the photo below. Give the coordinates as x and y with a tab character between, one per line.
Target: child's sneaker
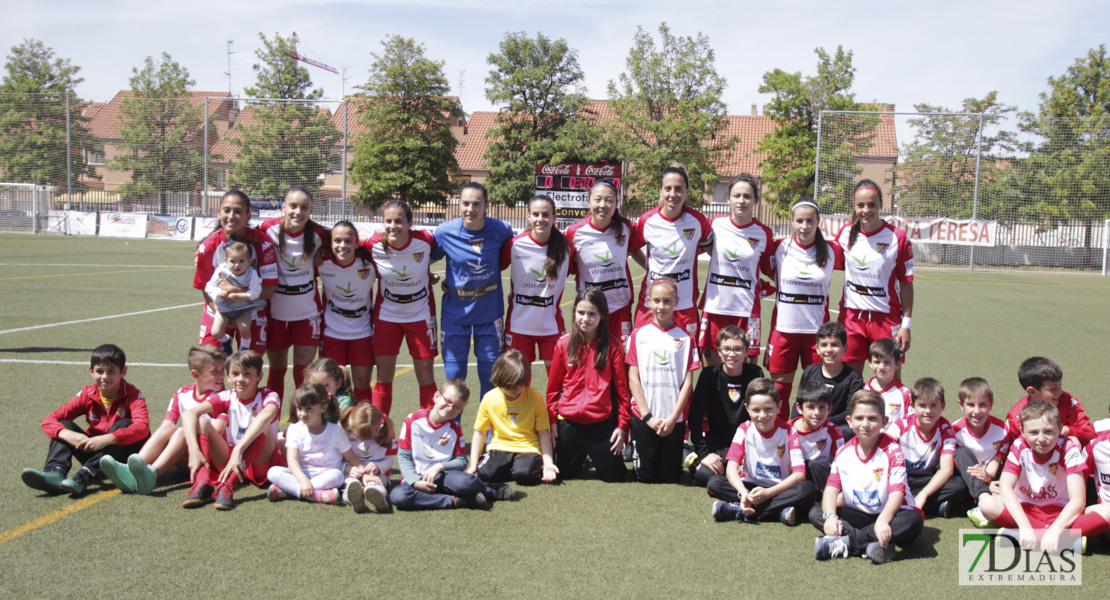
43	481
199	495
727	511
356	497
878	554
789	516
326	496
978	520
225	494
76	485
690	461
375	496
947	509
504	492
146	477
118	474
477	501
275	493
830	546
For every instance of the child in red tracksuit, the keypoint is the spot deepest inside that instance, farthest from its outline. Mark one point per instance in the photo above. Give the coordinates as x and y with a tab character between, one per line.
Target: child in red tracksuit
118	426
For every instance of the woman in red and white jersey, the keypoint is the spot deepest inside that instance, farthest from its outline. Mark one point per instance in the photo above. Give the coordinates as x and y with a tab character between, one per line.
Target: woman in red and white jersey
602	242
673	234
802	266
233	220
295	307
347	276
405	307
878	277
741	251
538	260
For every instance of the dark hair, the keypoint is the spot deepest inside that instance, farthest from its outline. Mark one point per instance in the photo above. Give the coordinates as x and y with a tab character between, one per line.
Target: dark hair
885	348
239	195
927	389
975	387
1036	371
867	398
244	359
360	250
854	231
815	392
577	340
819	238
749	179
557	246
678	170
313	394
395	203
237	248
510	370
109	354
732	332
329	367
617	221
1038	409
761	386
832	329
204	354
474	185
309	227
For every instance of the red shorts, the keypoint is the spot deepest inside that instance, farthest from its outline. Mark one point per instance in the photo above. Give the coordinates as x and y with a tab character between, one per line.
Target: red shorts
421	336
620	323
1040	517
784	350
357	353
712	324
285	334
686	318
258	330
527	345
257	474
865	327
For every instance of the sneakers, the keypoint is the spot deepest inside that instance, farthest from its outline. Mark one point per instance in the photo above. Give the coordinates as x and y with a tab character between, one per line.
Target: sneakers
146	477
878	554
275	493
324	496
375	495
356	497
43	481
946	509
690	462
830	546
76	485
727	511
978	520
626	454
225	494
504	492
199	495
477	501
118	474
789	516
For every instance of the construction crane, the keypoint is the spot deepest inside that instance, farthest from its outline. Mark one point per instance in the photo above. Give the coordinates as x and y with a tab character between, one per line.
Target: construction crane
307	60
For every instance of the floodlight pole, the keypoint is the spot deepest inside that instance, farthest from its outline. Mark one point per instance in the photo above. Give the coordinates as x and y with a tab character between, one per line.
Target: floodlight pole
346	112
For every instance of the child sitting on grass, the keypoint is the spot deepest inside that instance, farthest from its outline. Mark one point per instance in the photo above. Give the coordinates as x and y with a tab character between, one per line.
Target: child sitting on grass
982	441
1042	378
841	381
928	443
819	439
370	432
118	426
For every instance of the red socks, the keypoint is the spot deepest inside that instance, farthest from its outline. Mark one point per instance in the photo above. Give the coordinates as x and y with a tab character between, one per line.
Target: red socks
427	395
383	396
784	399
276	381
364	395
298	375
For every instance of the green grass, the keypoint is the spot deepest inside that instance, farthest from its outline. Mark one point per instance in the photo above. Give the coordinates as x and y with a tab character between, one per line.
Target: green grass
580	539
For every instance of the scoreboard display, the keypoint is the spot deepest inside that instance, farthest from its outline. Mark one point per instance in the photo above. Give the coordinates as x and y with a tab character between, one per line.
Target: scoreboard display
568	184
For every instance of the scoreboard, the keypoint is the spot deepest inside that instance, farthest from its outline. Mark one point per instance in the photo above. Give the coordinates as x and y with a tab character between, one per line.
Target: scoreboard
568	184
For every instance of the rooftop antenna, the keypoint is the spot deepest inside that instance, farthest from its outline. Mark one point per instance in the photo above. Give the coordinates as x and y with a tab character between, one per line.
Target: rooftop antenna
228	71
345	77
461	80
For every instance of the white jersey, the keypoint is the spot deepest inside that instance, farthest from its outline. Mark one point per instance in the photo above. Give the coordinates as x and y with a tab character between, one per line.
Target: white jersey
921	455
430	445
766	459
322	450
295	298
183	400
866	483
348	298
601	260
1044	483
404	279
821	444
535	305
802	304
874	266
898	400
662	358
995	441
672	251
370	452
1098	462
239	414
738	256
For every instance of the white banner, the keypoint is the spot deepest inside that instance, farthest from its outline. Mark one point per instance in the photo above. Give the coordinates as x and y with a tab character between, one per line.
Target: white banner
202	226
960	232
80	223
130	225
166	227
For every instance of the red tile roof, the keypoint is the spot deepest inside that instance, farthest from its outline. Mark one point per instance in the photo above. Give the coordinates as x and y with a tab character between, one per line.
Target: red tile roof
105	119
469	153
354	127
227	150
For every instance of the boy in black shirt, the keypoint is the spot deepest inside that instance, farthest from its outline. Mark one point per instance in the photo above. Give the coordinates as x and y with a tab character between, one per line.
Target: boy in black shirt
842	382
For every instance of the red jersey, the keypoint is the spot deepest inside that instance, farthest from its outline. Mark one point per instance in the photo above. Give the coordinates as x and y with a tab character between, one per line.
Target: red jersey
583	394
210	254
1072	416
129	404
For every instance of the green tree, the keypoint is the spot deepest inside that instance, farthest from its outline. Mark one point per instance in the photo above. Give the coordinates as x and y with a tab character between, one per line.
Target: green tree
937	177
791	149
408	150
284	143
161	131
33	120
668	110
537	83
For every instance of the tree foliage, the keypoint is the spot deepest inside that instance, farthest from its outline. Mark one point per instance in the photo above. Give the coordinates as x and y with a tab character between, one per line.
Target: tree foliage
33	94
408	149
284	143
669	111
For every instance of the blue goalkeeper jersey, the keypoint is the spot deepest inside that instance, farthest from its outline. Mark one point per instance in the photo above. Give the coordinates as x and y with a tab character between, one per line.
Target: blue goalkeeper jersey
473	270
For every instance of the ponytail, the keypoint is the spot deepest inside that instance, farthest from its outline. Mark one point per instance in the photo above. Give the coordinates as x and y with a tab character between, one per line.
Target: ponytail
557	246
821	247
360	250
404	206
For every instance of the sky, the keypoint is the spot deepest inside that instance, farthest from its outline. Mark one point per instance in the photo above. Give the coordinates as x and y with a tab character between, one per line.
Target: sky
904	53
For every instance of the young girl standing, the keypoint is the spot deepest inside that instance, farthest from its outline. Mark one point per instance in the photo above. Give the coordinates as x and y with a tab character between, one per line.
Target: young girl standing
347	280
741	251
315	449
602	242
405	307
538	260
662	360
370	432
802	267
295	308
588	394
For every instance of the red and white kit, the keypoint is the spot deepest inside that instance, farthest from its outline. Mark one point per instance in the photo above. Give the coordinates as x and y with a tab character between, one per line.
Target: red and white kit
295	298
662	356
370	452
183	400
348	299
1044	483
802	304
534	303
430	445
866	483
738	256
1098	461
922	456
129	404
898	401
405	303
672	251
210	255
822	444
766	460
240	414
871	308
601	261
995	441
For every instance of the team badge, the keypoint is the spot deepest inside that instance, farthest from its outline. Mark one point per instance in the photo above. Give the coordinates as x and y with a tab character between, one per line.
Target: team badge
418	256
1052	469
446	437
620	239
477	245
753	242
881	247
821	445
780	450
996	445
364	273
677	344
734	395
688	233
878	473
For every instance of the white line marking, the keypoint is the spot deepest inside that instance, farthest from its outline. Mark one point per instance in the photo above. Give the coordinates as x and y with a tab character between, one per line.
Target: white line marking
90	266
141	312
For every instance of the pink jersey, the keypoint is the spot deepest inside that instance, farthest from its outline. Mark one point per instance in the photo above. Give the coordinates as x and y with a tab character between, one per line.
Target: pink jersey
348	295
874	266
802	304
995	441
535	304
898	400
601	260
1098	462
429	444
766	459
867	483
672	251
295	298
240	414
821	444
404	278
662	357
922	455
183	400
738	256
1044	482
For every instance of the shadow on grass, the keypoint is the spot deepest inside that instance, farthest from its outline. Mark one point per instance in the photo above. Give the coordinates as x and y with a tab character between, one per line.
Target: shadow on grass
924	546
42	349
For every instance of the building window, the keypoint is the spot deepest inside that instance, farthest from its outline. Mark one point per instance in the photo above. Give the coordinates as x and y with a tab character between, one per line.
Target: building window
93	157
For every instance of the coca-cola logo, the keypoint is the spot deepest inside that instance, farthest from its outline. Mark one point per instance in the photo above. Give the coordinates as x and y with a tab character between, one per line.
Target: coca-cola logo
600	171
555	170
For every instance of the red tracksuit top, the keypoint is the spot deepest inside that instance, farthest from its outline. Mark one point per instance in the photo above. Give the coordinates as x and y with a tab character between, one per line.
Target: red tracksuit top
129	404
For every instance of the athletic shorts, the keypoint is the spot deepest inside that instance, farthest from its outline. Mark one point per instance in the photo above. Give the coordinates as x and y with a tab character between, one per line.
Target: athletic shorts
527	345
257	475
258	330
712	324
865	327
785	349
686	318
620	323
421	336
285	334
357	353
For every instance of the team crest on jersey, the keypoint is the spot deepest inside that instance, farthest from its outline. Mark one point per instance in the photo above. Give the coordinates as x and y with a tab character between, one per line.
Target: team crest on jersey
620	239
878	473
476	244
780	450
688	233
734	395
821	445
881	247
996	445
677	344
363	273
446	437
753	242
418	256
1052	469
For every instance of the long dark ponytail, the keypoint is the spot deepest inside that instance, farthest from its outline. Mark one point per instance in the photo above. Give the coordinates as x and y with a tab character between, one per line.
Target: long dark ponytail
309	227
557	246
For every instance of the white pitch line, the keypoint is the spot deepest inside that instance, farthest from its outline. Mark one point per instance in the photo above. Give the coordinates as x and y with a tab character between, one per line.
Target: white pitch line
85	265
141	312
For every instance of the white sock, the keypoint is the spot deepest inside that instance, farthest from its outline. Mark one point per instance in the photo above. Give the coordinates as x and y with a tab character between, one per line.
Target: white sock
244	343
224	338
